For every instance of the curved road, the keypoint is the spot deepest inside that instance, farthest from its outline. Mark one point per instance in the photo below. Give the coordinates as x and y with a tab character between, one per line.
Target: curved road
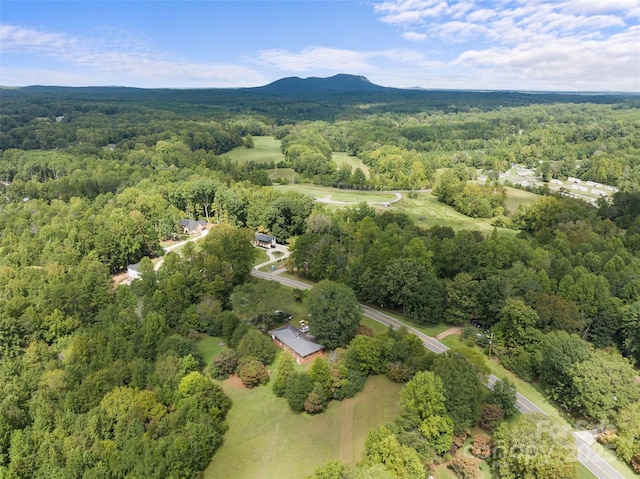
585	454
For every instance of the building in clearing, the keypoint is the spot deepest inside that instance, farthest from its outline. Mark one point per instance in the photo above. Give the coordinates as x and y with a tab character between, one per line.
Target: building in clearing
265	241
133	271
300	345
192	227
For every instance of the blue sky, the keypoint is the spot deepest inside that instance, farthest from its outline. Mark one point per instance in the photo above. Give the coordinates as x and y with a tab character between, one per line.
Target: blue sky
576	45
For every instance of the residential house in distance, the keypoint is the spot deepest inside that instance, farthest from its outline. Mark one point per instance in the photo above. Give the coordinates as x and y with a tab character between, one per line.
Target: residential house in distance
300	345
264	241
193	227
133	271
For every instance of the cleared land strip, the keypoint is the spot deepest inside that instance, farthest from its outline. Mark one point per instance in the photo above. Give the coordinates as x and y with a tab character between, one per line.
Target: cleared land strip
585	453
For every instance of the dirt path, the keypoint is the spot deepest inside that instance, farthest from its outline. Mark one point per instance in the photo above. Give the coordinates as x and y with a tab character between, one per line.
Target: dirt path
449	332
346	435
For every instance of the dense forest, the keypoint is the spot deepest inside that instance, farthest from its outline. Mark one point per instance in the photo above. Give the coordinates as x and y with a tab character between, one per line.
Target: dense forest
104	381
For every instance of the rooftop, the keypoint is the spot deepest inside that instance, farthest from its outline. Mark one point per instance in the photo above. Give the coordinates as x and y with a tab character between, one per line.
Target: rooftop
299	342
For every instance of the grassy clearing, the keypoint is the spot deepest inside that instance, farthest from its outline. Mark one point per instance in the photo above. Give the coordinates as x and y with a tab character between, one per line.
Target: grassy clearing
265	438
336	194
286	173
265	151
376	327
427	211
342	158
209	346
516	197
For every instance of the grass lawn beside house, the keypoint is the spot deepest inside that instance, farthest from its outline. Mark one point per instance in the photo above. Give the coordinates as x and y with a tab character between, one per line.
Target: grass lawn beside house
265	438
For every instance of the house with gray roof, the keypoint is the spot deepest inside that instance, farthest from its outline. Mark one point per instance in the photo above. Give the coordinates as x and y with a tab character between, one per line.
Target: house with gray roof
192	227
301	346
264	240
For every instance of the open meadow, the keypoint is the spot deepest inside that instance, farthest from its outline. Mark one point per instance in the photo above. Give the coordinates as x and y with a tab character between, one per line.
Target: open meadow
343	158
266	150
266	440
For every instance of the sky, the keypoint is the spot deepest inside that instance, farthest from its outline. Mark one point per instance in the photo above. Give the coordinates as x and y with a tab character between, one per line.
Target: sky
526	45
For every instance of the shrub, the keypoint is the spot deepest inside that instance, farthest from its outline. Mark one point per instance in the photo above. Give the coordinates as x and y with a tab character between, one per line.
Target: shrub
491	414
255	344
314	403
465	467
224	364
298	389
252	372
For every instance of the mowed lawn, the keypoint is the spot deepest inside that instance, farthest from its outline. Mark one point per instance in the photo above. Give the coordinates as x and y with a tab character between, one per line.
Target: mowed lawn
266	440
427	211
336	194
516	197
342	158
265	151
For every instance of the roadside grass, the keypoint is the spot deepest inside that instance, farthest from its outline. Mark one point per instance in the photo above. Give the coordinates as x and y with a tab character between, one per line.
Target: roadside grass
266	150
426	211
278	264
375	326
260	257
428	329
343	158
265	438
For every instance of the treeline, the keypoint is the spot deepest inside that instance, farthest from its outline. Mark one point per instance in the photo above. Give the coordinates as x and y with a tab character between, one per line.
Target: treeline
402	145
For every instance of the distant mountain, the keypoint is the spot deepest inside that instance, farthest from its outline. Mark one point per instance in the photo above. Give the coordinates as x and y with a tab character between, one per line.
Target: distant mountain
341	83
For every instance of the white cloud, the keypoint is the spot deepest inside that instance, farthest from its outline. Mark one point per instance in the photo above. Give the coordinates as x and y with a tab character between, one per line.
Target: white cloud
600	6
120	62
402	12
550	44
569	64
414	36
314	59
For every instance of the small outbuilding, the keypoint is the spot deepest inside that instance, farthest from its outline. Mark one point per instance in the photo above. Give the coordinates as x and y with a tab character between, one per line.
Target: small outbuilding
264	240
301	346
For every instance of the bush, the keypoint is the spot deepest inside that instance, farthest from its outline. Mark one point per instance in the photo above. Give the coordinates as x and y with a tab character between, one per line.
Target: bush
255	344
252	372
491	414
298	389
465	467
351	385
314	403
224	364
398	372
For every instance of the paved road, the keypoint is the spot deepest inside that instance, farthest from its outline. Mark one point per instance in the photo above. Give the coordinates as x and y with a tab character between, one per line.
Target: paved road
586	455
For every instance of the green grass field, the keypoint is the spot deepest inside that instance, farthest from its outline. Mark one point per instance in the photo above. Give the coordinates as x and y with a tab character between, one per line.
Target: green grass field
209	346
261	256
427	211
265	151
342	158
266	440
516	197
336	194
